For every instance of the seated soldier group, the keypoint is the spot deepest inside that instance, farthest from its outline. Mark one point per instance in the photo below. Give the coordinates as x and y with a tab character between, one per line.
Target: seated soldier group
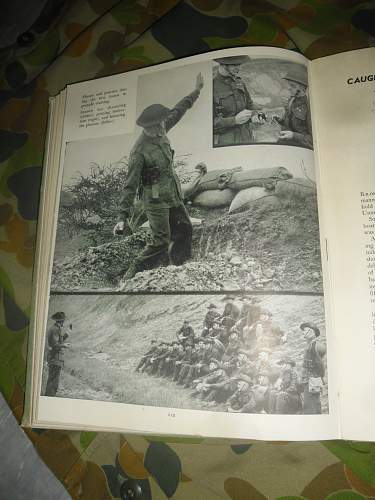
228	363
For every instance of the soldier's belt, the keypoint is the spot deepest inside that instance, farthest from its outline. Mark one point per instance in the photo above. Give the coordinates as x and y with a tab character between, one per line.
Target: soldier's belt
151	177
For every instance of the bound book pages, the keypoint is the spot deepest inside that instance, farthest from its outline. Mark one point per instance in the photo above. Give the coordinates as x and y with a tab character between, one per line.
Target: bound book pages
185	282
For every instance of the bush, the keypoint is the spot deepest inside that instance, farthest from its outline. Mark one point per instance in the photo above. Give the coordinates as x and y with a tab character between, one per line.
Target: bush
89	204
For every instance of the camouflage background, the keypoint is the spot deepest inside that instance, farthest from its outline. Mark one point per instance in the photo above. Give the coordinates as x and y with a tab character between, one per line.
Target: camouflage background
60	42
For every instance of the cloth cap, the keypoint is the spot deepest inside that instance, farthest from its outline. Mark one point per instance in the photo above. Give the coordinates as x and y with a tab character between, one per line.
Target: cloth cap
152	115
212	306
58	316
313	326
297	76
233	60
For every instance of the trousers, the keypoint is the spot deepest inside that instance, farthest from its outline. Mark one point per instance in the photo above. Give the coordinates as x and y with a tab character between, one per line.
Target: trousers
171	237
311	402
54	372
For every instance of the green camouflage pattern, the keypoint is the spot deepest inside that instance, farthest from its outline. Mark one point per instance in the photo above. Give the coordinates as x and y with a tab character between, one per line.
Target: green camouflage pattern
91	38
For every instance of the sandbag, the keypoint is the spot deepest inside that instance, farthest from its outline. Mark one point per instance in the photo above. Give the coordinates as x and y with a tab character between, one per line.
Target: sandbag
246	197
216	179
296	188
214	198
257	178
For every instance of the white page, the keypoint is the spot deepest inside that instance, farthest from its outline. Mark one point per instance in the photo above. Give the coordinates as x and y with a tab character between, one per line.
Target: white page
84	413
344	110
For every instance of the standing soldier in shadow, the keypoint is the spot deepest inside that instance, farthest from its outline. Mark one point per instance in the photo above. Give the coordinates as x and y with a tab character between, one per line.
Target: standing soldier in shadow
296	123
151	174
233	109
56	345
313	370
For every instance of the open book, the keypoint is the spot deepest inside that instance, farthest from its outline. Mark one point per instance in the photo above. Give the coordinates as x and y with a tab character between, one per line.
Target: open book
206	250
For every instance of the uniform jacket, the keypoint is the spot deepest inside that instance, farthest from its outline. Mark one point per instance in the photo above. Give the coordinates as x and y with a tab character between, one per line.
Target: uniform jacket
230	97
185	332
152	158
232	311
297	119
312	365
289	381
210	318
55	340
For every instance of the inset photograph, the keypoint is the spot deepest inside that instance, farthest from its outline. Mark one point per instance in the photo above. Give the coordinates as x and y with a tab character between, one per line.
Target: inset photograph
224	353
260	101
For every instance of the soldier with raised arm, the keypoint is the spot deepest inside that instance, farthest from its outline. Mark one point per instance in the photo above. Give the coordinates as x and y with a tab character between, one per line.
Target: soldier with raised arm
151	174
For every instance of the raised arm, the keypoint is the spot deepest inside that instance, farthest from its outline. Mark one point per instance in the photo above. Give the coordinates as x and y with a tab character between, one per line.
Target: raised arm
186	103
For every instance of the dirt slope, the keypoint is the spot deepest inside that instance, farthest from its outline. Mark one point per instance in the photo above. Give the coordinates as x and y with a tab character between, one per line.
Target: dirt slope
111	333
273	246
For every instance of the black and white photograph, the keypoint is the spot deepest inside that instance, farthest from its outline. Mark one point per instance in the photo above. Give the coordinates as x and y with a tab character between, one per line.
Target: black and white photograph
161	210
260	101
243	353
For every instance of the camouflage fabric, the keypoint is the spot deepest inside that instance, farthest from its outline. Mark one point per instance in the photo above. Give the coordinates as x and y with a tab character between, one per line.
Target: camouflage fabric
70	41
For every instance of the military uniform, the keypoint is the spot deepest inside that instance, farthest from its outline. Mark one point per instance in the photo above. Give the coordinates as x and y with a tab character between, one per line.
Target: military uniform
243	399
55	358
202	367
190	358
232	349
312	367
152	362
297	119
186	333
167	364
152	175
286	400
230	98
146	357
212	316
231	311
268	334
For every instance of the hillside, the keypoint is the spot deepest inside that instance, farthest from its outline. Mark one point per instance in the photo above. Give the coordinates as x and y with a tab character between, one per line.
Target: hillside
272	246
111	333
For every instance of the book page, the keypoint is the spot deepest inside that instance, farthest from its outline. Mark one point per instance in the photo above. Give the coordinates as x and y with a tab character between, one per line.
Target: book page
344	110
185	283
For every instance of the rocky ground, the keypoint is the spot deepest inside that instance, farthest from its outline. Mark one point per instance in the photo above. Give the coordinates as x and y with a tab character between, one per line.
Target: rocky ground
272	246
